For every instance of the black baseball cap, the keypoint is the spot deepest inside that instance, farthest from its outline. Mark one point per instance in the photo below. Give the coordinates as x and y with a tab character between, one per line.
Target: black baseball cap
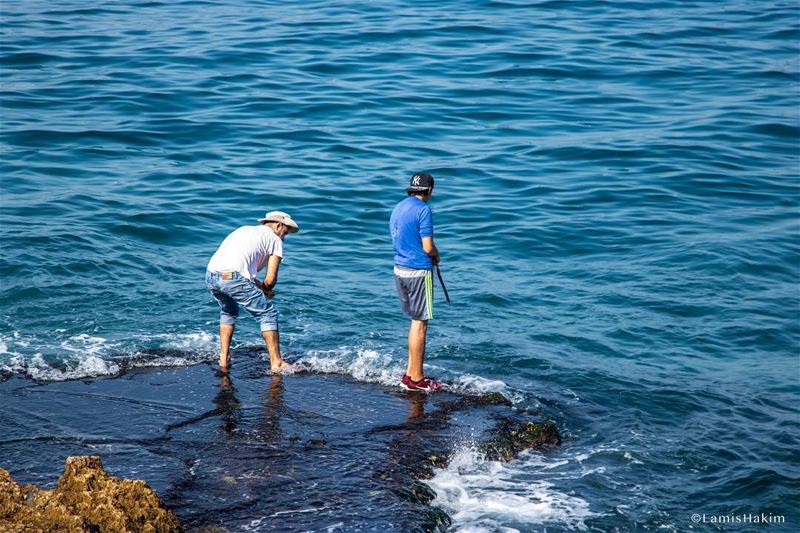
420	182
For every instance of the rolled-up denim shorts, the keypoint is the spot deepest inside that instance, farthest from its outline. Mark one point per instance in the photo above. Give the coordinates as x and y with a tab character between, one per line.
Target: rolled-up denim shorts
238	290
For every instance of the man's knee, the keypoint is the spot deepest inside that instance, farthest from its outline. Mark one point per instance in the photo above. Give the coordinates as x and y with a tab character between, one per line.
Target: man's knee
419	325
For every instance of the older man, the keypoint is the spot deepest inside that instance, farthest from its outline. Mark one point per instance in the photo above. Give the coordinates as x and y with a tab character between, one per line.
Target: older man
415	253
231	278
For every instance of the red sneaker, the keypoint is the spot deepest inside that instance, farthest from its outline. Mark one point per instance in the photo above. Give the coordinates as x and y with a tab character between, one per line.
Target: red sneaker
423	385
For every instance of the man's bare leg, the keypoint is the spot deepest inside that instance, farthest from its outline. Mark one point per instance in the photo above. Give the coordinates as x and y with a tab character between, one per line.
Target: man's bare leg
225	336
276	363
416	348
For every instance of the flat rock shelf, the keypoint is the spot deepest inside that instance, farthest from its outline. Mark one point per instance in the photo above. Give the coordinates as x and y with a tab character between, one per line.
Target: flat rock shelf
256	452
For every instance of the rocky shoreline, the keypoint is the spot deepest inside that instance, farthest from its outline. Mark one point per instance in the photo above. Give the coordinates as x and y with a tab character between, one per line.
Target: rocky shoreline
290	454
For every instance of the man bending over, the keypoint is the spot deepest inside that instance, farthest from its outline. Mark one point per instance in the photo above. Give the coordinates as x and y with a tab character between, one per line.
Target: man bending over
231	278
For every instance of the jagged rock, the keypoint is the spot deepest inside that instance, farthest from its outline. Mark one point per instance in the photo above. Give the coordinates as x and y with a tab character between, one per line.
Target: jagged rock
421	493
512	436
87	499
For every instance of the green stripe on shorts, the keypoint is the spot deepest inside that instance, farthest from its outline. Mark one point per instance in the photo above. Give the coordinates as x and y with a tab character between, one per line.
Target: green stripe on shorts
429	293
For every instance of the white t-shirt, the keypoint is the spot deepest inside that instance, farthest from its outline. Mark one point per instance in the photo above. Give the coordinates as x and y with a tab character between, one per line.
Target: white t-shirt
246	250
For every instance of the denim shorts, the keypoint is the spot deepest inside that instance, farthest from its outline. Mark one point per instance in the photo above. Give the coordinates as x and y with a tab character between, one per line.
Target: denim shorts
230	293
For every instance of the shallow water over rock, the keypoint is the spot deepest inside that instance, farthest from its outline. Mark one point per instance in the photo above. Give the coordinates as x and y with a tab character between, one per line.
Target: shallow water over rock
265	453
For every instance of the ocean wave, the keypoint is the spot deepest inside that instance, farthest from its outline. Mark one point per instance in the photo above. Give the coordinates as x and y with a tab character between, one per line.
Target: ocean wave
85	356
374	366
482	495
90	356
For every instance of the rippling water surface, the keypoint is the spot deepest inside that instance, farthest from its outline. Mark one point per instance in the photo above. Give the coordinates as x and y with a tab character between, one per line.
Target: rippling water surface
616	206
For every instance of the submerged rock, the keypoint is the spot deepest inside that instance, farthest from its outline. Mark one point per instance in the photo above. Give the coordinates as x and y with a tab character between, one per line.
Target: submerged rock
87	499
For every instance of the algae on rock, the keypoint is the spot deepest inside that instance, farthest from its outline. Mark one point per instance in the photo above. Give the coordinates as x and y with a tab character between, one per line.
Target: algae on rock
87	499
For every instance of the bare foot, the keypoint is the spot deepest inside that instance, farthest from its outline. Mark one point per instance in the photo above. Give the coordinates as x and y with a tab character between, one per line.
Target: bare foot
224	364
283	368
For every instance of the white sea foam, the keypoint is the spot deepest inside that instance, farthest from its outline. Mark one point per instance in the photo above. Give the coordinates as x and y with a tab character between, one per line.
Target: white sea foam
92	366
88	356
630	457
9	344
376	366
364	364
87	345
471	384
194	341
483	495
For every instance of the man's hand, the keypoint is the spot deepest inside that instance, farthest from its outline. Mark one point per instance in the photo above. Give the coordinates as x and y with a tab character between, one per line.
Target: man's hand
431	249
269	293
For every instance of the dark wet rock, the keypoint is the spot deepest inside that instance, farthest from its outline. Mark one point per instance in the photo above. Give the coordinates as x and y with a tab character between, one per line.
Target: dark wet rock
421	493
87	499
269	453
510	437
475	400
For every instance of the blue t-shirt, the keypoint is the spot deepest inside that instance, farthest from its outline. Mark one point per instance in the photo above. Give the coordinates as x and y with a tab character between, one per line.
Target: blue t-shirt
411	221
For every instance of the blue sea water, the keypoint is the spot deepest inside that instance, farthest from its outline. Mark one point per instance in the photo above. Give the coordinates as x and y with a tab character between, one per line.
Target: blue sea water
617	208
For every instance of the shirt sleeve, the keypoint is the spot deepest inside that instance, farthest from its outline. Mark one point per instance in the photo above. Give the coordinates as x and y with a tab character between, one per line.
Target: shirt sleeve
425	222
276	248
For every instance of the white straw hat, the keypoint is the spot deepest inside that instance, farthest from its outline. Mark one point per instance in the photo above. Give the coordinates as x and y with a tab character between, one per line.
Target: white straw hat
283	218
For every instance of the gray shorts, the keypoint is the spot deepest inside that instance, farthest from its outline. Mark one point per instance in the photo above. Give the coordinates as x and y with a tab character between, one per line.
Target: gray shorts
415	288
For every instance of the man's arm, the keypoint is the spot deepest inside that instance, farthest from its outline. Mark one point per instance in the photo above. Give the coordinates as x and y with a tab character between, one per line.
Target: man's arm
431	249
271	277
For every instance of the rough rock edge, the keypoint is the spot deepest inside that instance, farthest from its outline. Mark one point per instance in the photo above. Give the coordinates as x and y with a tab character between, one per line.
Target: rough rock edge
87	499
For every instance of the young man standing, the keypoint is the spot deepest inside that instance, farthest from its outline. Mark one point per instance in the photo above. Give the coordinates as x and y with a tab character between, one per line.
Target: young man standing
411	226
231	279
